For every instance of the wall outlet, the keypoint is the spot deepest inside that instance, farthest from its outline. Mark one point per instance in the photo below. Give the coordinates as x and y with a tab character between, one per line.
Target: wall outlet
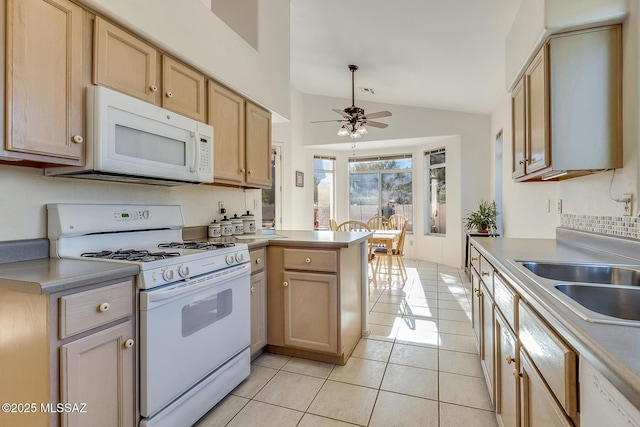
221	208
559	206
628	205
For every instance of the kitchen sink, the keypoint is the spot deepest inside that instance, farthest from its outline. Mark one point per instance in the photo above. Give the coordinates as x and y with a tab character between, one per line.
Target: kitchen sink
585	273
615	301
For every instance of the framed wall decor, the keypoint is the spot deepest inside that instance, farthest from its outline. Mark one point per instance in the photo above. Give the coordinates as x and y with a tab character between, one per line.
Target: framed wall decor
299	179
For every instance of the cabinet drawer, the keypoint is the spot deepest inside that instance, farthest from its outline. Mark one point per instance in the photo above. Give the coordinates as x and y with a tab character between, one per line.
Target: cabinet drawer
310	260
506	300
486	273
474	256
258	259
555	361
86	310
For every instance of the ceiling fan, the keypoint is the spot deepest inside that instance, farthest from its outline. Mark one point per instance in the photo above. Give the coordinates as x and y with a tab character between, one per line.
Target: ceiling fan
354	118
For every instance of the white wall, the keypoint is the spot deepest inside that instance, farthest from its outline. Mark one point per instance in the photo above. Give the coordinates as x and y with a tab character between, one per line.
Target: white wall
525	204
25	192
191	32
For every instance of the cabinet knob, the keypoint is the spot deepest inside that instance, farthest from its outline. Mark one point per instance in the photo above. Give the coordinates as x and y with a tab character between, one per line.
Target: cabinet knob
253	289
307	260
474	258
169	95
516	373
250	171
243	170
521	162
485	273
128	343
510	359
103	307
258	260
78	139
285	284
153	88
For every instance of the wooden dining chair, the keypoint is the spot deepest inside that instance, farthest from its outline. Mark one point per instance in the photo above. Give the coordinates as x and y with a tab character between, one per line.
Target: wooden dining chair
361	226
397	221
396	253
353	226
333	225
378	222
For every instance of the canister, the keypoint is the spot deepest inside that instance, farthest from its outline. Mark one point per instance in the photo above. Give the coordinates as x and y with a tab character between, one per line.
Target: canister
214	229
249	223
226	228
238	227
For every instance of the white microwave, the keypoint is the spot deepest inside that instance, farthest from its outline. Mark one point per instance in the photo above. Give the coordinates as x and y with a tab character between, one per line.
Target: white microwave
133	141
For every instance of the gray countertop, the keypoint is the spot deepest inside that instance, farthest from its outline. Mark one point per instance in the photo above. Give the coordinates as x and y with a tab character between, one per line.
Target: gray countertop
316	239
48	275
613	349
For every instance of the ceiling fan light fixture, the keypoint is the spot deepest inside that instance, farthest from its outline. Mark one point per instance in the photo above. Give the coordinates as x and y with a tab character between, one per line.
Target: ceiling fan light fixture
343	131
362	130
355	134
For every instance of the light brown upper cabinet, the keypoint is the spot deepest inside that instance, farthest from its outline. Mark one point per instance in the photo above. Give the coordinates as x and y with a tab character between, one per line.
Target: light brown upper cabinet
258	154
183	89
44	100
566	108
128	64
124	62
242	139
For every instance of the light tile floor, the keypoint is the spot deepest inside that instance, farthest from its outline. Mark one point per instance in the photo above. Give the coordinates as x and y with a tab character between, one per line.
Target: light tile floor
419	367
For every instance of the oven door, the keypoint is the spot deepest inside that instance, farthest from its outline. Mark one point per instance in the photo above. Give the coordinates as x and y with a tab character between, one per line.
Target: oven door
188	329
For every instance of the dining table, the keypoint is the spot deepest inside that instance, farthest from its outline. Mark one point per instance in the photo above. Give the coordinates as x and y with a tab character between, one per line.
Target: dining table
386	238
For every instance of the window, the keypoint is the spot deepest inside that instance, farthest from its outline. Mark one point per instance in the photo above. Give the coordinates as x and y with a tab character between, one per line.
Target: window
435	219
381	186
323	191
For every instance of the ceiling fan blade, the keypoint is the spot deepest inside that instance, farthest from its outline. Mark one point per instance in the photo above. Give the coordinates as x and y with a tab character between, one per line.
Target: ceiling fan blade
323	121
377	115
375	124
341	112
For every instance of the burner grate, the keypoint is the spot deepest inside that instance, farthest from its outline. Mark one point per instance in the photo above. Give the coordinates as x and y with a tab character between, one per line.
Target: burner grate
131	255
196	245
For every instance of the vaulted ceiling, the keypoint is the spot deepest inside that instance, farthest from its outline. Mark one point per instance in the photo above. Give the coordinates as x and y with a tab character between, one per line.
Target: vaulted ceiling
445	54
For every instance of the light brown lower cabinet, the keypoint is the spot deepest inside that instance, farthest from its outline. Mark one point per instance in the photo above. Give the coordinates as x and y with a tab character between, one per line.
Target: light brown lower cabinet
96	374
90	372
258	301
314	301
538	407
487	352
507	388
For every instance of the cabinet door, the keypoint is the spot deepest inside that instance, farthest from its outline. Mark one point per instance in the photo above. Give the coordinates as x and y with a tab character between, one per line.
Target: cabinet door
538	154
258	311
311	311
98	370
183	89
124	62
518	120
44	85
488	345
506	380
258	146
539	408
476	309
226	115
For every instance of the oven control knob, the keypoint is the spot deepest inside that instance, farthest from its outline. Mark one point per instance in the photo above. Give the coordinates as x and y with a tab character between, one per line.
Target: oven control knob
239	257
230	259
183	271
167	275
146	214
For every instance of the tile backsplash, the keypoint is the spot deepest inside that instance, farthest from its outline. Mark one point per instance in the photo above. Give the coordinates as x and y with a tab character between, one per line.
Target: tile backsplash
620	226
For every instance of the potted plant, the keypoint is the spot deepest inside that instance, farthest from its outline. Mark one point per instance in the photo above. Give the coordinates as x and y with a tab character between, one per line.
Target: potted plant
483	219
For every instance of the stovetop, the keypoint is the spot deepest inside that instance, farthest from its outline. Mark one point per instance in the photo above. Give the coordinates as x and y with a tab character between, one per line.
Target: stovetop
145	255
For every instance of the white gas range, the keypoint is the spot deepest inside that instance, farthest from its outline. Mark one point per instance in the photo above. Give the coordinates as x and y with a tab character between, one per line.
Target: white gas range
194	303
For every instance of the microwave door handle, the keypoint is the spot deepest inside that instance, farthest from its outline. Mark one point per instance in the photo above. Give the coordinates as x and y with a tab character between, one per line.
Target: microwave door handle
196	154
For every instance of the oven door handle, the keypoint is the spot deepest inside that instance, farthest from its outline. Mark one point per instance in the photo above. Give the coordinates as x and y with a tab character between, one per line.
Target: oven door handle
152	298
